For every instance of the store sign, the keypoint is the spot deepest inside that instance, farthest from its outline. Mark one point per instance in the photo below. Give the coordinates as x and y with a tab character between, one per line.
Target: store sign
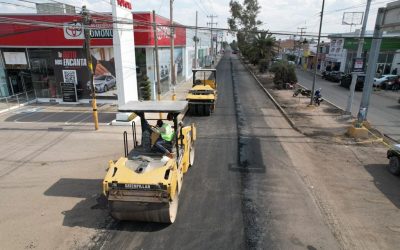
358	65
164	33
69	93
70	59
101	33
124	4
15	58
75	30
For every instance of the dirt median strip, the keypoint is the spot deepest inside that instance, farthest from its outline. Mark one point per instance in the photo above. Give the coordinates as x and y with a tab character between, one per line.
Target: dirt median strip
277	105
377	136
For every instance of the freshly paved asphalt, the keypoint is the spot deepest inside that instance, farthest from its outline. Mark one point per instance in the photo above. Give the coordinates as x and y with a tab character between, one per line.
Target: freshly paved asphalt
384	109
243	191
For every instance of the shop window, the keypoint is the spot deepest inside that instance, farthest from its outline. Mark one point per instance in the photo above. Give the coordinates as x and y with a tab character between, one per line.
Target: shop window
42	73
3	79
382	58
16	69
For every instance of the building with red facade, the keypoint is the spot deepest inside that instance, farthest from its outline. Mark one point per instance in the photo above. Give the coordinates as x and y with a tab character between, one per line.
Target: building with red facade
39	52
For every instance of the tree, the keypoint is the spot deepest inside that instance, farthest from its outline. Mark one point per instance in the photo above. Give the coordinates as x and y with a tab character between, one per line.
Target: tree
255	46
284	73
244	20
145	88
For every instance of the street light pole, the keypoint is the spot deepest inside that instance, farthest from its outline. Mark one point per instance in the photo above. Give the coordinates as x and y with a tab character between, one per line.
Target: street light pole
371	68
172	31
359	52
317	54
86	23
195	45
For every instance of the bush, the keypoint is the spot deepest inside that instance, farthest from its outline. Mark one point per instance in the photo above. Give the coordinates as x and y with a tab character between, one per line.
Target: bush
291	57
263	65
284	73
145	88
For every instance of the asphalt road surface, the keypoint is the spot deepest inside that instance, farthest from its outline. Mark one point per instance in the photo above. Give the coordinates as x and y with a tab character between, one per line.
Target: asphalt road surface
383	112
243	191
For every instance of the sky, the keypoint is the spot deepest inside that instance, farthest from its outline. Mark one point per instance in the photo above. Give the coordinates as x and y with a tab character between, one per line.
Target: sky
276	15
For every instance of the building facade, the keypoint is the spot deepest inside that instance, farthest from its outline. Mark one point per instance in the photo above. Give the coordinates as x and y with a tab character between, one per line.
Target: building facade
39	52
343	49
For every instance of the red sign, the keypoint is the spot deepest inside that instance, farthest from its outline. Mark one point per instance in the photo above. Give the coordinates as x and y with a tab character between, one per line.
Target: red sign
66	31
124	4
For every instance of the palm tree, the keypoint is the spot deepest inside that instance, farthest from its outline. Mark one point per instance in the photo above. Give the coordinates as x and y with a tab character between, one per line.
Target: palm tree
261	50
263	44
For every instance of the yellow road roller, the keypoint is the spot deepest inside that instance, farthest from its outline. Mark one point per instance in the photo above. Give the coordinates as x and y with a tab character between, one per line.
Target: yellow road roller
203	94
145	183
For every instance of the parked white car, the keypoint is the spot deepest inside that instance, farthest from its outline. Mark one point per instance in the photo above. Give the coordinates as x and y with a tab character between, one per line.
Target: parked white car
103	83
379	81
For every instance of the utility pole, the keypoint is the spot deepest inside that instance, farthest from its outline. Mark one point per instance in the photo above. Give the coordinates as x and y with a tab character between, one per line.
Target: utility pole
195	44
212	42
371	69
359	52
300	42
86	22
172	31
157	60
317	54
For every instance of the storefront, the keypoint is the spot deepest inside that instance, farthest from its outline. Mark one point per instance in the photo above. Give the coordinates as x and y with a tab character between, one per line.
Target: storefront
31	59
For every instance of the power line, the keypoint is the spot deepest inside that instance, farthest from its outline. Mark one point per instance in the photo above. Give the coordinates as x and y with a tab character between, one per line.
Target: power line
200	7
148	24
17	5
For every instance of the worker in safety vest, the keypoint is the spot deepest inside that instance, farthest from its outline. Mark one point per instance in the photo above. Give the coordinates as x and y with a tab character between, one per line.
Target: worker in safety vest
166	137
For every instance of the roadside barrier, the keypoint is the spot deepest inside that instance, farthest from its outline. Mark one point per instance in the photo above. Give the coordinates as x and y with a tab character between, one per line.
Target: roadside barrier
14	101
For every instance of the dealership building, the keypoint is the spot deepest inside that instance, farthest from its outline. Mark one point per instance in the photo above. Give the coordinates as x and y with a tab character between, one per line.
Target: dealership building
40	52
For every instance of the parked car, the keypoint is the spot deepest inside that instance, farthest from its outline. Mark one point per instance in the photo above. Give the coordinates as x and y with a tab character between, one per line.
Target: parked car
333	76
103	83
378	82
392	83
346	81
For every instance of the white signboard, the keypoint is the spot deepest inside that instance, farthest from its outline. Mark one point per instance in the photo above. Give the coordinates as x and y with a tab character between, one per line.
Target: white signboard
391	20
15	58
124	51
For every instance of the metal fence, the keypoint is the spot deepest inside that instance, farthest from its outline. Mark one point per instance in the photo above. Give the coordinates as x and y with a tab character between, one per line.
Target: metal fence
14	101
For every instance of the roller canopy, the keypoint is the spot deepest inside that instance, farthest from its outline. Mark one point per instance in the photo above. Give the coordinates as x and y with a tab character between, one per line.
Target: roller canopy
154	106
205	70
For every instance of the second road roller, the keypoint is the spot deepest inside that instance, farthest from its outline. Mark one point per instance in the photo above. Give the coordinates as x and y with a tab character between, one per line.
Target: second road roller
202	96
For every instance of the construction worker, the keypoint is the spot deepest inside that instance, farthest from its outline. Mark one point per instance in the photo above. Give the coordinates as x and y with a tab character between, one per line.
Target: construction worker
165	139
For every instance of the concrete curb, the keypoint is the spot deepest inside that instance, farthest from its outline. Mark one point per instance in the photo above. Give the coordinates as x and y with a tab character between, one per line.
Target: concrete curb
277	105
